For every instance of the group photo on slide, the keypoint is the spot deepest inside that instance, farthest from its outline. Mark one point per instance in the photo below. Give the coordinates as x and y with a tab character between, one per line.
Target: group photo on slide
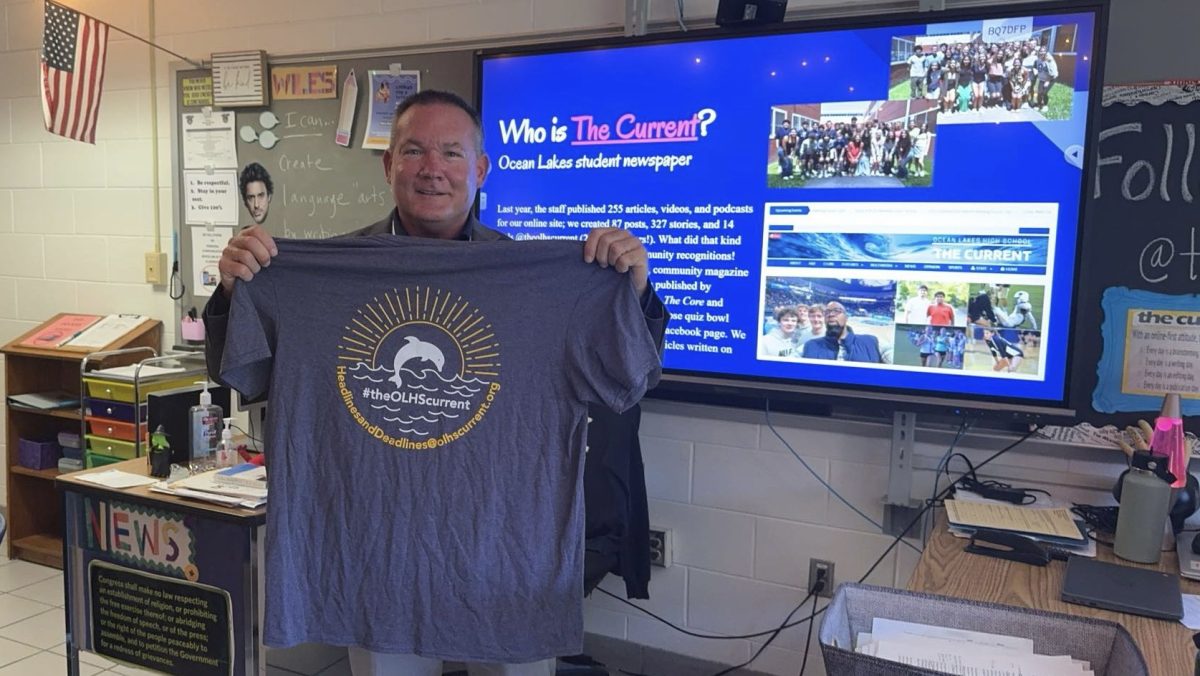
852	144
974	80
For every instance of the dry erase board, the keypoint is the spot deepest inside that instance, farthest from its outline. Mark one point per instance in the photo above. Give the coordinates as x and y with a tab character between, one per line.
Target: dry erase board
319	188
1138	333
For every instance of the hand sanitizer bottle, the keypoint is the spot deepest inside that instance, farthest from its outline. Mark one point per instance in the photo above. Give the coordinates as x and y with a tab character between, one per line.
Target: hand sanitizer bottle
226	453
204	420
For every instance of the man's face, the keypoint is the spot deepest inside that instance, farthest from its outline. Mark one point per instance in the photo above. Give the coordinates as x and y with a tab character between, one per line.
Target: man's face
922	292
835	320
787	323
258	200
435	167
939	298
817	319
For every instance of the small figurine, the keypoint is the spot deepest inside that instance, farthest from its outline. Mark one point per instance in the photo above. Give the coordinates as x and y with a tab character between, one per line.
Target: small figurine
160	454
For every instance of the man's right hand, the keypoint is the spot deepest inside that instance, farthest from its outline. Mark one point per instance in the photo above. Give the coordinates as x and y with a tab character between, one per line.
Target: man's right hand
246	253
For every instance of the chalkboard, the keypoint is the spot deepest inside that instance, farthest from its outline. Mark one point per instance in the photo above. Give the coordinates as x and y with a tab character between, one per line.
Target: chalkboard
1138	333
320	188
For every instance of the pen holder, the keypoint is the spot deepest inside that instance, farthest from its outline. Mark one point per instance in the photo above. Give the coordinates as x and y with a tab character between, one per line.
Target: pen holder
192	330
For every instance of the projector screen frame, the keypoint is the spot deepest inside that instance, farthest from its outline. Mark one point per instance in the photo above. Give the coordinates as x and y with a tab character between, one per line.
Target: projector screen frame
748	391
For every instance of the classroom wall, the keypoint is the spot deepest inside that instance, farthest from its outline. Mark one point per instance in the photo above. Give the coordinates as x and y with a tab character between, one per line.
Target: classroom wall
75	221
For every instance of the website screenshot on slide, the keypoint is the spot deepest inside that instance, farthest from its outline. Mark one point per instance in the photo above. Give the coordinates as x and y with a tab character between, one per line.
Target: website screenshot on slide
915	277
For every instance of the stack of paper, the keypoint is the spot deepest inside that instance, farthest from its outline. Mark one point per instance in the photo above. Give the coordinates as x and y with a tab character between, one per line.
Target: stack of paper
1054	522
204	486
956	651
106	331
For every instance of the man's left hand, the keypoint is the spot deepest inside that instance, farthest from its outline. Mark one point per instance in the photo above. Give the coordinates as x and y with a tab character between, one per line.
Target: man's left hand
619	249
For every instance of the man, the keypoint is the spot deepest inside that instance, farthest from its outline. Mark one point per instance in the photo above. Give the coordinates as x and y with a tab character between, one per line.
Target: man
916	74
257	189
940	314
780	138
1047	73
435	165
816	322
916	308
781	341
840	342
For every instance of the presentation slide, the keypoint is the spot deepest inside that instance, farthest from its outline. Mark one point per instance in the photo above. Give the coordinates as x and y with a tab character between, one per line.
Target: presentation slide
890	207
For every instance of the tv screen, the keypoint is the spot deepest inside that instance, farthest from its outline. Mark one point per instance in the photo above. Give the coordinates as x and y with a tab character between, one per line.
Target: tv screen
878	208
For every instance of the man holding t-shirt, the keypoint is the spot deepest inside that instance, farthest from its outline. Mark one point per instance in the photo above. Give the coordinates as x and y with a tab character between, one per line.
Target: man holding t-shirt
435	165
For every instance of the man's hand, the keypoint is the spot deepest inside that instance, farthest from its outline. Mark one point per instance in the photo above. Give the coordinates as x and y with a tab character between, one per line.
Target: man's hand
619	249
246	253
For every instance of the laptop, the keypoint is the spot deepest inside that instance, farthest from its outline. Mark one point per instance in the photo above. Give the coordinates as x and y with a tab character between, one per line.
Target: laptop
1125	589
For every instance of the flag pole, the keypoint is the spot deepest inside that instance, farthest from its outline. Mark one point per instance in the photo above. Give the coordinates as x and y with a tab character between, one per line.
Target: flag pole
144	40
158	47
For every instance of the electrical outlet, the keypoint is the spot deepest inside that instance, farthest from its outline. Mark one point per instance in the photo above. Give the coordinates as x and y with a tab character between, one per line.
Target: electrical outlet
660	547
817	570
156	267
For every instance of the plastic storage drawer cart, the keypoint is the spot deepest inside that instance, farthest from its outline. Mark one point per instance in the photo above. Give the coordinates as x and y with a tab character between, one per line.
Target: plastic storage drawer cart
1106	645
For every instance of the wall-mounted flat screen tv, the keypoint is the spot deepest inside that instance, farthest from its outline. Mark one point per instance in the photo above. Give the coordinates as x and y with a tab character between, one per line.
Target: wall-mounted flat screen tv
887	208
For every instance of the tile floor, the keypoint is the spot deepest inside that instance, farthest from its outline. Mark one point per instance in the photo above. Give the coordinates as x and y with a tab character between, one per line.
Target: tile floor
32	628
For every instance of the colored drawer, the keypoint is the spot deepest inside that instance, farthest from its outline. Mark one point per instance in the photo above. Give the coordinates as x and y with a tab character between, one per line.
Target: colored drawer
114	410
113	447
91	460
118	390
115	429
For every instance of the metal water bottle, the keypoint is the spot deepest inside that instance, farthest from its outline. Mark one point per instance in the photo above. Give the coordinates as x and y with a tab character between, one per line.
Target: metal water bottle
1145	500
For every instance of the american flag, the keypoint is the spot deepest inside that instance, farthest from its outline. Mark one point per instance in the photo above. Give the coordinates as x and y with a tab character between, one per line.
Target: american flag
74	48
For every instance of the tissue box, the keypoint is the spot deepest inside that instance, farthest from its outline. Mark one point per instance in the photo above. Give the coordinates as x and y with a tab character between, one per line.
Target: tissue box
37	454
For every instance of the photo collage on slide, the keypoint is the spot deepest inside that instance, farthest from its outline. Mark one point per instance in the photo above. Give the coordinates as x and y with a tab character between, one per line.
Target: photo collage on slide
952	287
1005	71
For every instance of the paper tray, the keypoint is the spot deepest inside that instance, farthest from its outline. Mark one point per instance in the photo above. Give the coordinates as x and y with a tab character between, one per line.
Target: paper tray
1106	645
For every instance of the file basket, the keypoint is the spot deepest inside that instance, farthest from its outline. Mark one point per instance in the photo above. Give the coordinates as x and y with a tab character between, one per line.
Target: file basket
1106	645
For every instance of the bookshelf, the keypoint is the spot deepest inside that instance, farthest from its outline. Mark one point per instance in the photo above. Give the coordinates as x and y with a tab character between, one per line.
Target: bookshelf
34	507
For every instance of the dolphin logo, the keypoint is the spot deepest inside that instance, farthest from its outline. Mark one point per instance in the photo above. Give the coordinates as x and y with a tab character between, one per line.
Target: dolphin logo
415	349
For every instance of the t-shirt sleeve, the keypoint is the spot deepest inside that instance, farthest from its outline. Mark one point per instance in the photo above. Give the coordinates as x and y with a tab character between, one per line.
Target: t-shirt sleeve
611	356
250	337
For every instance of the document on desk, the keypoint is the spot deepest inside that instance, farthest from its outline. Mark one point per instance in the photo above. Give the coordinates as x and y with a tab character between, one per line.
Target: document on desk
1055	522
966	653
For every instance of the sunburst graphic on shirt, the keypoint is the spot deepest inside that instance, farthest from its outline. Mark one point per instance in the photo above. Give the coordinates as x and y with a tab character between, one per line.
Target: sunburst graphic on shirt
418	367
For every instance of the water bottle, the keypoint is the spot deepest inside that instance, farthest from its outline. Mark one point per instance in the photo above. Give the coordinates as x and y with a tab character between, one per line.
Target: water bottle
1145	500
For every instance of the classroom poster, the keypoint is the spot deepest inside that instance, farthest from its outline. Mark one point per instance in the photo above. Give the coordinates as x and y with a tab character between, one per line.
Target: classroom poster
210	198
387	88
160	589
207	245
208	140
1151	348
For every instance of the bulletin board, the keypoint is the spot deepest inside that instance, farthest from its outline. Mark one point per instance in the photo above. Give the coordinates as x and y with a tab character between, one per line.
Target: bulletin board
318	188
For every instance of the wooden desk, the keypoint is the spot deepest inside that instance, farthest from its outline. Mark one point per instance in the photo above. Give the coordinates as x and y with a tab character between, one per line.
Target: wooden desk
160	581
948	570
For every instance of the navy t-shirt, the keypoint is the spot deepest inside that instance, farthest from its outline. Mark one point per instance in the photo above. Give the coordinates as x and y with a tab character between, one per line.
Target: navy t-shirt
426	435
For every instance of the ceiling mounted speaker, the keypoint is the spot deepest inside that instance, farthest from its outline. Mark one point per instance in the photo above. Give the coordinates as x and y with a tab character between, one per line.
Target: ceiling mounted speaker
748	12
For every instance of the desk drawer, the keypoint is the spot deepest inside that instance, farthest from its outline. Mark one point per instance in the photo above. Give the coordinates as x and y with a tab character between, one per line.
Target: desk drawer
91	460
115	390
113	447
113	410
114	429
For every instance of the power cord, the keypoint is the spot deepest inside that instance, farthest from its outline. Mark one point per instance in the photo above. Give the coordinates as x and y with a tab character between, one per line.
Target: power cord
787	623
993	489
813	592
942	465
819	478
